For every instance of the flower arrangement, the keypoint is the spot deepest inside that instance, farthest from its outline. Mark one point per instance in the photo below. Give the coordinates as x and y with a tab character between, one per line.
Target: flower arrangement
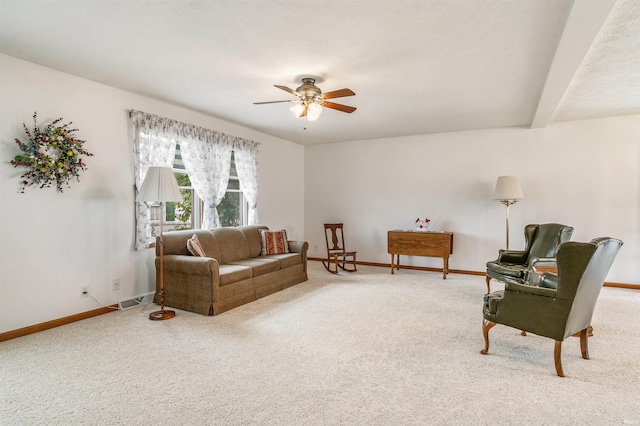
422	224
52	154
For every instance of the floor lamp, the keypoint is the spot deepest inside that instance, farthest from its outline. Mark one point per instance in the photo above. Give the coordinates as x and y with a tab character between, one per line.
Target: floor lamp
508	192
160	186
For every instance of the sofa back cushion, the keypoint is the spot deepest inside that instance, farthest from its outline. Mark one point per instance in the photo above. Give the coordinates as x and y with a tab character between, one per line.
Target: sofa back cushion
175	242
252	234
232	243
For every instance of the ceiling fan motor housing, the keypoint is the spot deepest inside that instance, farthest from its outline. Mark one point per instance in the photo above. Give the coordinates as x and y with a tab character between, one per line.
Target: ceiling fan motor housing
308	91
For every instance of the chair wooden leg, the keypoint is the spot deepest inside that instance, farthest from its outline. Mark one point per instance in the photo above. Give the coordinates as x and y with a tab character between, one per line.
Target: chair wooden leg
584	343
523	333
486	326
327	265
351	262
557	354
488	285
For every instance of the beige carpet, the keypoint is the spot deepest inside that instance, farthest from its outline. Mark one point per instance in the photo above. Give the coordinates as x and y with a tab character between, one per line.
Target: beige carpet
364	349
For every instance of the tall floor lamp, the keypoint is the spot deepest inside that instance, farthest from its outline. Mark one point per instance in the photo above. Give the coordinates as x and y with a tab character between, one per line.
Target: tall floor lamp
508	192
160	186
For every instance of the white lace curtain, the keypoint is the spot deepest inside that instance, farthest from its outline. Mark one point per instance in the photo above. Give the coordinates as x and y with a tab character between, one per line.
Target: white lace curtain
154	144
246	156
206	155
208	163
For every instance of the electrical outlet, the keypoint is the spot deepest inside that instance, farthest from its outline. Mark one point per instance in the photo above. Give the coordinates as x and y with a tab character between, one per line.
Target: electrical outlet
115	284
85	292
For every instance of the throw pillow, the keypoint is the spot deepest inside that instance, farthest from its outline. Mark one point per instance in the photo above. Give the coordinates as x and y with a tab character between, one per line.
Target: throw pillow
273	242
194	246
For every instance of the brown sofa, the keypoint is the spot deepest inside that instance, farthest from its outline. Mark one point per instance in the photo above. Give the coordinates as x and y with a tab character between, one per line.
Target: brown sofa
232	273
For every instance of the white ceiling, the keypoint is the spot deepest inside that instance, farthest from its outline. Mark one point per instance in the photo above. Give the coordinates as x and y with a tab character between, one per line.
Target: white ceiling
416	66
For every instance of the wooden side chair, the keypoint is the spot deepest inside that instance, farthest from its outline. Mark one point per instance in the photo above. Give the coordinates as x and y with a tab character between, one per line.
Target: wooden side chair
337	256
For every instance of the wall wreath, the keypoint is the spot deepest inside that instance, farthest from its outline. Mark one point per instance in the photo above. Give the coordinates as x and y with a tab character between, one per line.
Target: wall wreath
52	154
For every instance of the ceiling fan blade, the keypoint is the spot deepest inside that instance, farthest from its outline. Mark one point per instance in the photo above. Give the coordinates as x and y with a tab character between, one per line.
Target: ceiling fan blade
286	89
338	94
339	107
272	102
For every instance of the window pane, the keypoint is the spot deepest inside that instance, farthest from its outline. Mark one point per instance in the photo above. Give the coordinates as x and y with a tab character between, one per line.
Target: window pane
233	172
177	160
233	184
230	209
183	179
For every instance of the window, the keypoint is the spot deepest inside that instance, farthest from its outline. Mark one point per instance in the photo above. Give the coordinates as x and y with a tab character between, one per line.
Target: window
232	210
210	155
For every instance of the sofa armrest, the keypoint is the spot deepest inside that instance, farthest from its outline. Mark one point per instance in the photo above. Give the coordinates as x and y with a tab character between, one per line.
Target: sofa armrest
300	247
193	282
193	265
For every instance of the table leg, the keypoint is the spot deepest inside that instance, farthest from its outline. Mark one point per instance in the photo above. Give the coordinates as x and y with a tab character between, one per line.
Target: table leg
445	270
391	264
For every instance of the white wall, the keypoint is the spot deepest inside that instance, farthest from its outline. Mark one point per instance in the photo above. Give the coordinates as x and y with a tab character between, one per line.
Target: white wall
585	174
52	244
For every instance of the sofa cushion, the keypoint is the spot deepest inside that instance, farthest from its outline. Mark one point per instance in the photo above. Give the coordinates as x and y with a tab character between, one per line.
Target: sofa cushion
286	260
233	273
259	266
194	246
273	242
232	243
252	234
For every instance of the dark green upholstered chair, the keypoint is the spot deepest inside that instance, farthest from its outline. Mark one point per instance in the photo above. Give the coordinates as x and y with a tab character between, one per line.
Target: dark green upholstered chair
541	243
562	304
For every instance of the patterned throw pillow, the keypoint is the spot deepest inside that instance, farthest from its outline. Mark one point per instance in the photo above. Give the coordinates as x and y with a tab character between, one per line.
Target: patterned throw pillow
194	246
273	242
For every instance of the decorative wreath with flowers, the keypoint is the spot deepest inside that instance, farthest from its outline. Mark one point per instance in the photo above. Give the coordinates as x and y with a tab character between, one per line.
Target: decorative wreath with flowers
53	155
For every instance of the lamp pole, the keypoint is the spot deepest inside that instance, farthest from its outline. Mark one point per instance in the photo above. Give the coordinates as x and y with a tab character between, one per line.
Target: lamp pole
507	203
508	192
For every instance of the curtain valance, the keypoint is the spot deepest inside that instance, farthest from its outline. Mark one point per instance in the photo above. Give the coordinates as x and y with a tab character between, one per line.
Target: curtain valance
172	128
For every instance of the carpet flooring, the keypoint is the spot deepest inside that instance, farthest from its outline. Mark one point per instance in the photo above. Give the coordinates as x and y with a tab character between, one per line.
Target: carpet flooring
368	348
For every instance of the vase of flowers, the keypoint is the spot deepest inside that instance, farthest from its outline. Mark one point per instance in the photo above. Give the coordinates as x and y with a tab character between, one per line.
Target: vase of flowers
422	224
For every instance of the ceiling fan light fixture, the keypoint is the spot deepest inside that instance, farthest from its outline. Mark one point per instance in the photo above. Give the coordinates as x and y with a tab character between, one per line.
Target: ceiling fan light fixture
297	110
313	111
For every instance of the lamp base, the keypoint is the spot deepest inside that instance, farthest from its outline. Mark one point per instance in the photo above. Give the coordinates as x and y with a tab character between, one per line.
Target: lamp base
161	315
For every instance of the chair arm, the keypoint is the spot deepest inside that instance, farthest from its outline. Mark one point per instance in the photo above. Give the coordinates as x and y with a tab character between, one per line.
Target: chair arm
544	261
193	265
549	280
523	288
512	256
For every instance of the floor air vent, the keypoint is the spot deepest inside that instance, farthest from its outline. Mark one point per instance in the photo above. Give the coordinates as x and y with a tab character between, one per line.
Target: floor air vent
142	299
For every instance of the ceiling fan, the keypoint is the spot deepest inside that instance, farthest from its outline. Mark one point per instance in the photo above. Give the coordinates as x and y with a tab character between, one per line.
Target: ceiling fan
310	100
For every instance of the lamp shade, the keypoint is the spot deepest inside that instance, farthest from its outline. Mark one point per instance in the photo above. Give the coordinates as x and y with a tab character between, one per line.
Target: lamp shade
159	185
507	188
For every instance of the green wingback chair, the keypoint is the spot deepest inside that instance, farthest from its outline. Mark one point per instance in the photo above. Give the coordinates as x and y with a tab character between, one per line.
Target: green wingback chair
562	304
541	243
